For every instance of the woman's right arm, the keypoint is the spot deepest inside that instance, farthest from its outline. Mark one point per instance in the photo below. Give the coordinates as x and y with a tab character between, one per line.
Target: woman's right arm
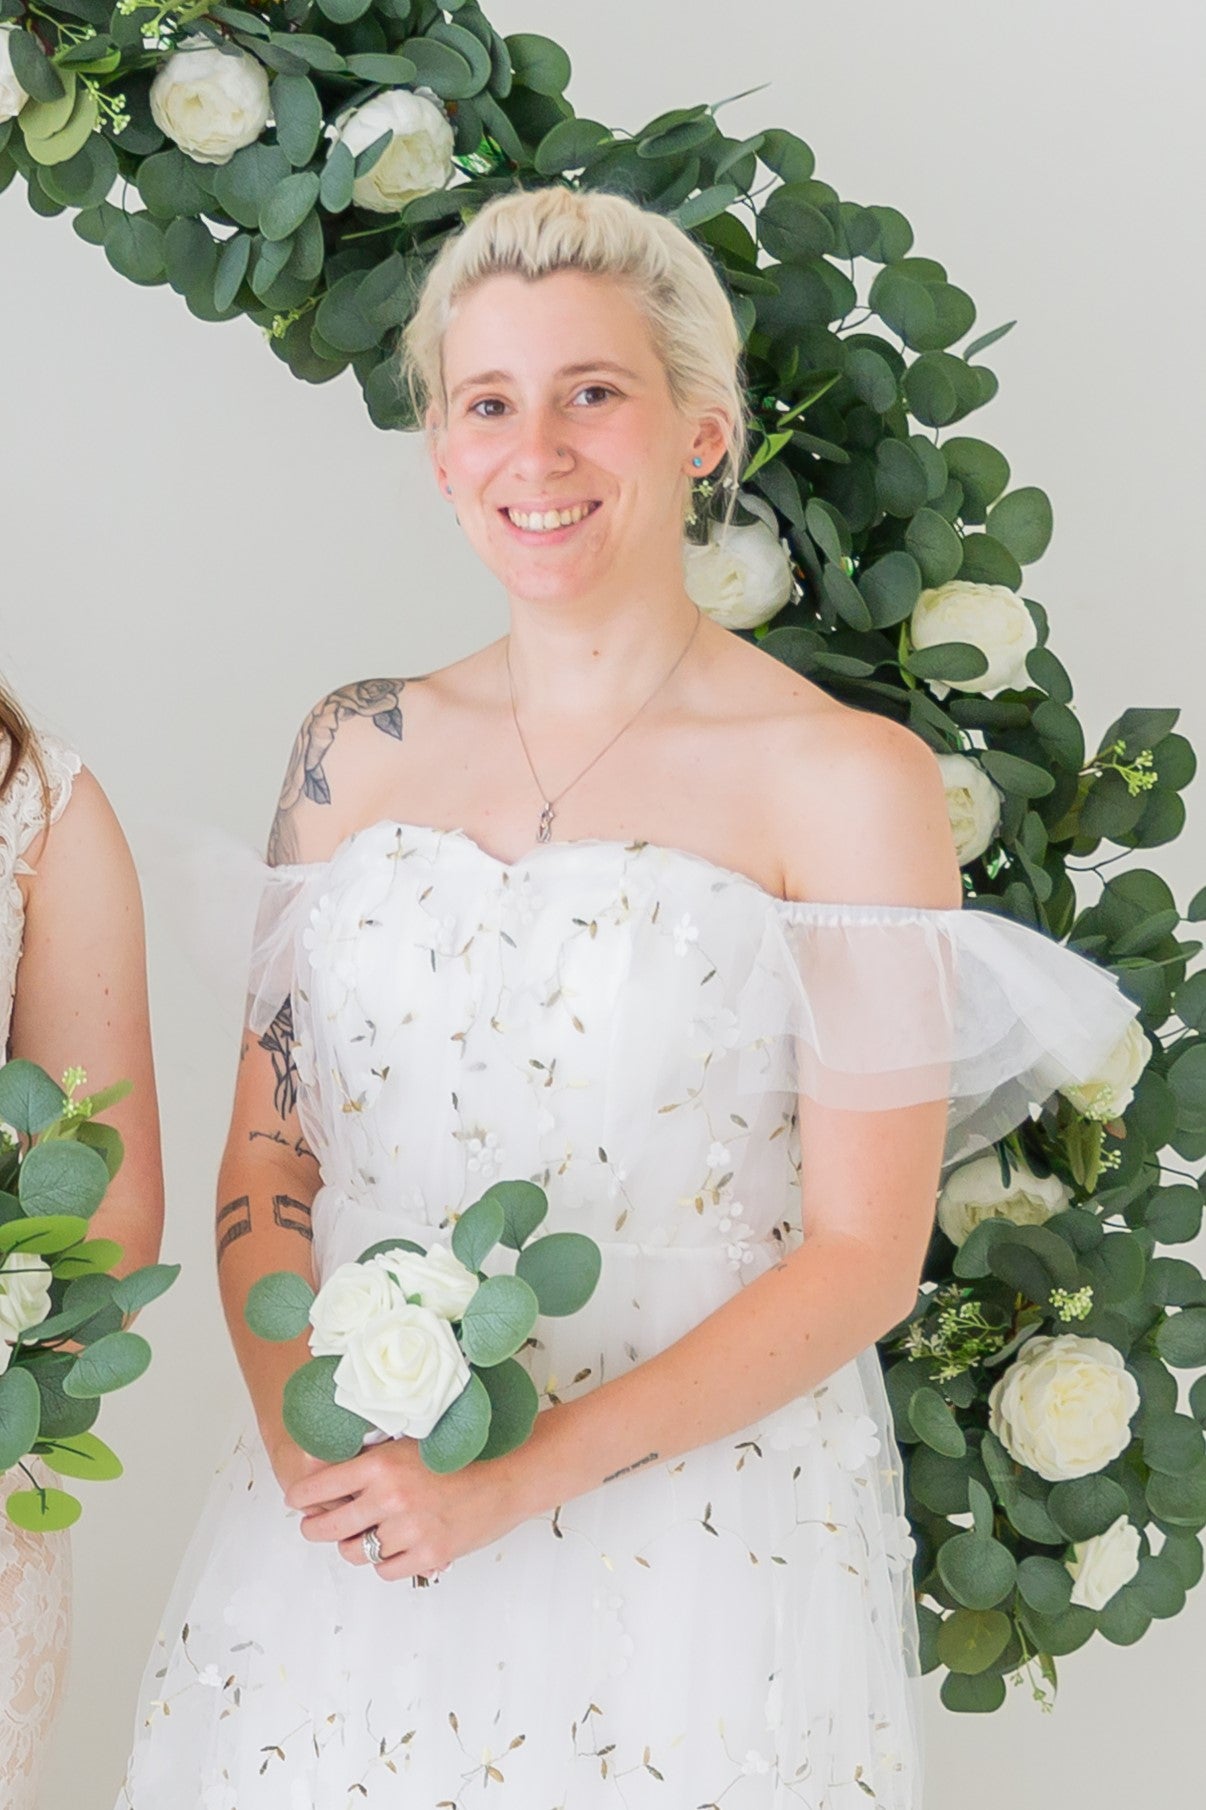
269	1175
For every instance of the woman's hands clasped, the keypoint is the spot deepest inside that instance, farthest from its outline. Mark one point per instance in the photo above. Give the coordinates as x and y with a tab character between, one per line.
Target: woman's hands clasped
424	1519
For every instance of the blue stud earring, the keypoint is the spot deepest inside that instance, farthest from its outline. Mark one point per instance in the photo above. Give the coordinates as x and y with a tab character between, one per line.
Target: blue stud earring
448	488
697	461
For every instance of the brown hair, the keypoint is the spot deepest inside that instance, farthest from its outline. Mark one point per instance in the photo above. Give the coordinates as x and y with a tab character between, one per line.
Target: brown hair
17	733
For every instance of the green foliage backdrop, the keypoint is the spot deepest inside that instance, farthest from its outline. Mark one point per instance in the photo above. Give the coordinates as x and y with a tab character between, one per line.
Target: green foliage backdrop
861	405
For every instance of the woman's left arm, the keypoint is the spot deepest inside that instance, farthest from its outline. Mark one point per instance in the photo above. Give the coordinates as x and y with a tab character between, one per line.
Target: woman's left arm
81	999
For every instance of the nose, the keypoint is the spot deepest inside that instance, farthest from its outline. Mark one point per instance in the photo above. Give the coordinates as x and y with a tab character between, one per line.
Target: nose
540	443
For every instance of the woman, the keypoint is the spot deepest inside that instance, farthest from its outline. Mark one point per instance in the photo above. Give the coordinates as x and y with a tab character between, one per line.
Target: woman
72	994
540	914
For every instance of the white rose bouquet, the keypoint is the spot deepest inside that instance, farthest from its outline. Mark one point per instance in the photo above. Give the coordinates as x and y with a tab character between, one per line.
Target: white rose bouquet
63	1340
418	1343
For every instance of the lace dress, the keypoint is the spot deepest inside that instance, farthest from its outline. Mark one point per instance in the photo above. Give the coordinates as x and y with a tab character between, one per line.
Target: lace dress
35	1569
628	1025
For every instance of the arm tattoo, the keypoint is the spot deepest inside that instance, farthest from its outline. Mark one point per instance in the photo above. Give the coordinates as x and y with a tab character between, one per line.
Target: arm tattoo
278	1040
233	1221
649	1458
292	1215
379	699
298	1147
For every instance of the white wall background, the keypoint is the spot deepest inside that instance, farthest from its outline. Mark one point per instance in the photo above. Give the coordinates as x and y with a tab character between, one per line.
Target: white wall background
195	546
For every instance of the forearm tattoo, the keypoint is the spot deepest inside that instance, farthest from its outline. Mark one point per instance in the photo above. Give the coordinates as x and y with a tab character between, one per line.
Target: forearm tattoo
649	1458
378	699
233	1221
292	1215
278	1040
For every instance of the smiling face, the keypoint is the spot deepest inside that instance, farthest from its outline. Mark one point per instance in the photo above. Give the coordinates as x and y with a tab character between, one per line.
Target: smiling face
558	406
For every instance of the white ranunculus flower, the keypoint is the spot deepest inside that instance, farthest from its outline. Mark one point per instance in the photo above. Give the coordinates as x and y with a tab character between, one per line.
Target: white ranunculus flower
24	1297
417	159
1064	1405
974	1191
1109	1093
12	96
742	577
990	616
209	102
401	1370
1102	1565
351	1296
440	1279
973	805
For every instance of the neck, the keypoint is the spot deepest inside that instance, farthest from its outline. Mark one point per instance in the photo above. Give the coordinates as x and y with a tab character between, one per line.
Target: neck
575	670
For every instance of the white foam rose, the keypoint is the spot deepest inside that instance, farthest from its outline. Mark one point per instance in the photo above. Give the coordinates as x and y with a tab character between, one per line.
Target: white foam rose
12	96
401	1370
1064	1406
990	616
1102	1565
439	1278
24	1298
1109	1093
973	805
742	576
418	157
351	1296
210	102
974	1191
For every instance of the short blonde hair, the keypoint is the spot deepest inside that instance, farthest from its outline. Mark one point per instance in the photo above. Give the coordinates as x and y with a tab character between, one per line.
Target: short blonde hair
533	232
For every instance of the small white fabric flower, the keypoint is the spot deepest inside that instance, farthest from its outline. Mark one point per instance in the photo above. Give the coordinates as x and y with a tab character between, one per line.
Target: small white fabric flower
483	1155
210	1677
754	1763
685	932
210	102
719	1155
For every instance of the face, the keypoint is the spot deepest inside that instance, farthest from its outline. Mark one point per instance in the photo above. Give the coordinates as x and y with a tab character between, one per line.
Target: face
557	401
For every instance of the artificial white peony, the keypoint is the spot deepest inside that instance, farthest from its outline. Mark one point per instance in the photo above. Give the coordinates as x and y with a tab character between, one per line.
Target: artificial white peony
24	1298
741	577
1106	1095
439	1278
417	159
1102	1565
351	1296
210	102
1064	1405
973	805
989	616
401	1370
974	1191
12	96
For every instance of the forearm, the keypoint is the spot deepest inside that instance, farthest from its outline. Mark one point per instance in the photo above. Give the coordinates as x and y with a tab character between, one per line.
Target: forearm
780	1336
262	1224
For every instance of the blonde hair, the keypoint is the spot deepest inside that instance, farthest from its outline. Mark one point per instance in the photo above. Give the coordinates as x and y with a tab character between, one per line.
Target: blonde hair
533	232
17	743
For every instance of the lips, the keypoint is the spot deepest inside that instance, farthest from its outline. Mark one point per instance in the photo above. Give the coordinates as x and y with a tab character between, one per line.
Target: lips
551	534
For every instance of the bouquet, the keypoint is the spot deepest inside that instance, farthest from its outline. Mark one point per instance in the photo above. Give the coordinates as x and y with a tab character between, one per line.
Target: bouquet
413	1341
63	1342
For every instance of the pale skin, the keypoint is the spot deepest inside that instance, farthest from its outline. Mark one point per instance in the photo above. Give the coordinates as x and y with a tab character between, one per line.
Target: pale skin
81	999
752	767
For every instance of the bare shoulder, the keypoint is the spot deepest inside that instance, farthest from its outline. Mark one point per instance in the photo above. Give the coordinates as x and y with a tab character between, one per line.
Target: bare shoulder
85	840
859	807
336	762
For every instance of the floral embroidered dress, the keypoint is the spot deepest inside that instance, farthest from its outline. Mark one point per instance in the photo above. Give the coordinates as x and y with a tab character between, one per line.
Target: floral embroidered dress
627	1025
35	1568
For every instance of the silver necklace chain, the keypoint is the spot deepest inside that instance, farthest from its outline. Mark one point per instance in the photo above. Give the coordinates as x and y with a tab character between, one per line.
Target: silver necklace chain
545	830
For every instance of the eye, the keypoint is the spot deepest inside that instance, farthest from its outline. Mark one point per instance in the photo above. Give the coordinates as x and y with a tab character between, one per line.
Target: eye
474	407
601	389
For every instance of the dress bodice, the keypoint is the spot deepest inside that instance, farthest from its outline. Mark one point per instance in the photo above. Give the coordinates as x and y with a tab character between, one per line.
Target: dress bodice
632	1026
23	813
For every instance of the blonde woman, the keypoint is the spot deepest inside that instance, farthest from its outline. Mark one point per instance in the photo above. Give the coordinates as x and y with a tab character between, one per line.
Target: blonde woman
72	994
621	905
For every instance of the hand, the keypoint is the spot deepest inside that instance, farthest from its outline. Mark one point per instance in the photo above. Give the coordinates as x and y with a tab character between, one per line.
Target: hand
291	1463
424	1519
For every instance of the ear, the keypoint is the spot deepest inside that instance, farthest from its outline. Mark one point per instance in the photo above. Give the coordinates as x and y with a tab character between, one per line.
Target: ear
433	434
708	445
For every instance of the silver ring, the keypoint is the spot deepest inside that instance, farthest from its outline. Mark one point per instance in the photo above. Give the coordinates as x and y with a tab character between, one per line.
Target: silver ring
372	1546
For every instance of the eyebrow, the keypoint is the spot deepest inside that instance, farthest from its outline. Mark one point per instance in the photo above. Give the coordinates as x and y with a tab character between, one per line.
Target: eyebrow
574	370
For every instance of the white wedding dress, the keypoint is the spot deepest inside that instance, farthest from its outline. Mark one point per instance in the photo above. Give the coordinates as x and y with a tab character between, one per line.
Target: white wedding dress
627	1025
35	1568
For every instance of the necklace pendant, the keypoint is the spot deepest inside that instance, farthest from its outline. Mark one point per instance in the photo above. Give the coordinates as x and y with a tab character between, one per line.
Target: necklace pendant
545	832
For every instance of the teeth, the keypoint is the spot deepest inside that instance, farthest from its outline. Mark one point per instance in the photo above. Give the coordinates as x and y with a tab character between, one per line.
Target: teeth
552	518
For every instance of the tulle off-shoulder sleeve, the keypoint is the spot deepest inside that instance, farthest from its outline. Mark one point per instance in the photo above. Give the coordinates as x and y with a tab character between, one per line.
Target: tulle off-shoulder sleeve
876	1006
285	902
